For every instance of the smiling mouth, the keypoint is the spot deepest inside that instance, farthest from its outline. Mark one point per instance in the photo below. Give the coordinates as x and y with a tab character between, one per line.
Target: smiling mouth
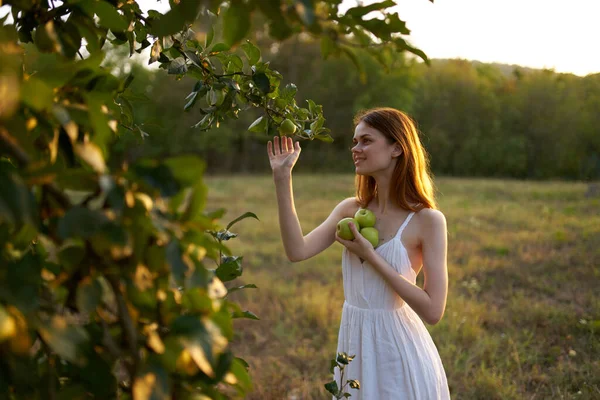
357	160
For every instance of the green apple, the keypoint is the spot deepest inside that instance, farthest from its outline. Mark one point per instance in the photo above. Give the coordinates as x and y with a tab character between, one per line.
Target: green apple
371	234
287	127
343	230
365	218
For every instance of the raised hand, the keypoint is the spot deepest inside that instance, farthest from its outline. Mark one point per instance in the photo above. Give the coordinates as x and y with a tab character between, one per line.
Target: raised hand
283	156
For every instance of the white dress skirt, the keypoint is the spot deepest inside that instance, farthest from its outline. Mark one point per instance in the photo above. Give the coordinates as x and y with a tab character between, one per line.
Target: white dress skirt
395	357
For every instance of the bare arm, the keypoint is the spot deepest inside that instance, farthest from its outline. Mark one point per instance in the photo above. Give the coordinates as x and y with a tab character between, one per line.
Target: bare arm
430	302
297	246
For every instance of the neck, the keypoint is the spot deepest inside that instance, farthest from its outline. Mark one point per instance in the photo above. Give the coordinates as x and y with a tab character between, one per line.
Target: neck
382	199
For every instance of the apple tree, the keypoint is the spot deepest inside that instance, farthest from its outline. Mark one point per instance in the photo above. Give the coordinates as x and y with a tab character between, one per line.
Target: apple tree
114	278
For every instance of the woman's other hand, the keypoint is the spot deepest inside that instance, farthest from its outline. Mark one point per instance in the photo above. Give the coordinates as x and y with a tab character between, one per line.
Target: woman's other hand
283	154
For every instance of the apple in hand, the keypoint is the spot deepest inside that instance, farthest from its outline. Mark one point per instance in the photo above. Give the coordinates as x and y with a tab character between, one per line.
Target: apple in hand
344	231
371	234
366	218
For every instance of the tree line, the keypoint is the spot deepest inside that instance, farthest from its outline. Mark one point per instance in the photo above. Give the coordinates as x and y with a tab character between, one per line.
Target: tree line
476	119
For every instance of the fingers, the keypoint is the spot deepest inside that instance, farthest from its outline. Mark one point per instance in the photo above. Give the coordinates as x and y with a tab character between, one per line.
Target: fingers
276	145
284	144
354	229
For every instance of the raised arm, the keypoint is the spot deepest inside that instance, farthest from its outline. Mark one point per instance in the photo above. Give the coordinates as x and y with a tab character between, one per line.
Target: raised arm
283	154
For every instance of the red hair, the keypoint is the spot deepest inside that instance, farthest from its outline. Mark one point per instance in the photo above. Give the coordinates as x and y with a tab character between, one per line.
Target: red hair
411	180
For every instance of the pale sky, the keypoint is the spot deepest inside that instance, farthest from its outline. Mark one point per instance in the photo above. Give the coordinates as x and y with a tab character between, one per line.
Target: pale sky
558	34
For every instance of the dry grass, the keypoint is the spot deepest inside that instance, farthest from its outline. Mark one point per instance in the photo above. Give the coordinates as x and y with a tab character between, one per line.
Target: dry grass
522	320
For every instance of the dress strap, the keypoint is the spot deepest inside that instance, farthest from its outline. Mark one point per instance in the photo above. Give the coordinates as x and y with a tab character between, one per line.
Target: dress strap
406	221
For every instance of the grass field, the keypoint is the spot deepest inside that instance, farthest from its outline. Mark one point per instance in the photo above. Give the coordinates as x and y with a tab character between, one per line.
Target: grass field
523	313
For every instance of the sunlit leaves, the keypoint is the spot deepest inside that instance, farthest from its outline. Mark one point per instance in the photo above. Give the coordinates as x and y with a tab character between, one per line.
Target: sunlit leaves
236	22
109	259
109	16
252	52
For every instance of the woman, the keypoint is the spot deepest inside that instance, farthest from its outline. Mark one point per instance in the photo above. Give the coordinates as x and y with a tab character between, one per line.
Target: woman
384	308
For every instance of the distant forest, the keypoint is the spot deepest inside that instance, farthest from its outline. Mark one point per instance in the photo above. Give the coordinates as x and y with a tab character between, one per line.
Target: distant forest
476	119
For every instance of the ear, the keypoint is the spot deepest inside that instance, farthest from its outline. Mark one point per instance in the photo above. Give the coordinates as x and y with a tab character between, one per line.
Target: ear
397	152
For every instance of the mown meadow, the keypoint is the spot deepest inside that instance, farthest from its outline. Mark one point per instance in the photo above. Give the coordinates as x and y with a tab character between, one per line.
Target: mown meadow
523	313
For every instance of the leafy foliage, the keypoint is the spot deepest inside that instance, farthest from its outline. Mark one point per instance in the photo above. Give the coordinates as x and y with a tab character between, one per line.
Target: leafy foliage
113	277
339	390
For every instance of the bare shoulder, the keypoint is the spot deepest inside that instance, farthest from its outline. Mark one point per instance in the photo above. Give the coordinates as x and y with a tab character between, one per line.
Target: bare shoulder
431	219
348	205
345	208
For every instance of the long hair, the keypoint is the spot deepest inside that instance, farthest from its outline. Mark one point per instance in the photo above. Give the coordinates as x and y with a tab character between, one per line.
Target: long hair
411	181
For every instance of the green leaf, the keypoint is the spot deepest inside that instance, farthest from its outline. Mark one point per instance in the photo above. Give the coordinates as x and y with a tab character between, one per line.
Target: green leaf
191	101
109	16
325	138
288	92
328	46
261	80
318	124
332	365
196	300
252	52
81	222
17	205
102	132
241	217
358	12
359	66
70	38
66	340
88	296
177	66
312	107
245	314
248	286
174	257
239	368
235	64
236	22
259	125
37	94
71	254
187	170
332	388
209	36
230	268
219	47
224	235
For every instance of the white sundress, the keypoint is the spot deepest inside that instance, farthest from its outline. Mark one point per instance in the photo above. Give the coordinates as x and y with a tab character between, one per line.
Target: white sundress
395	357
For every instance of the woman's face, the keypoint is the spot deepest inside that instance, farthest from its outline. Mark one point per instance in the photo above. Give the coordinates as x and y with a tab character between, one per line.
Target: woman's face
372	152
